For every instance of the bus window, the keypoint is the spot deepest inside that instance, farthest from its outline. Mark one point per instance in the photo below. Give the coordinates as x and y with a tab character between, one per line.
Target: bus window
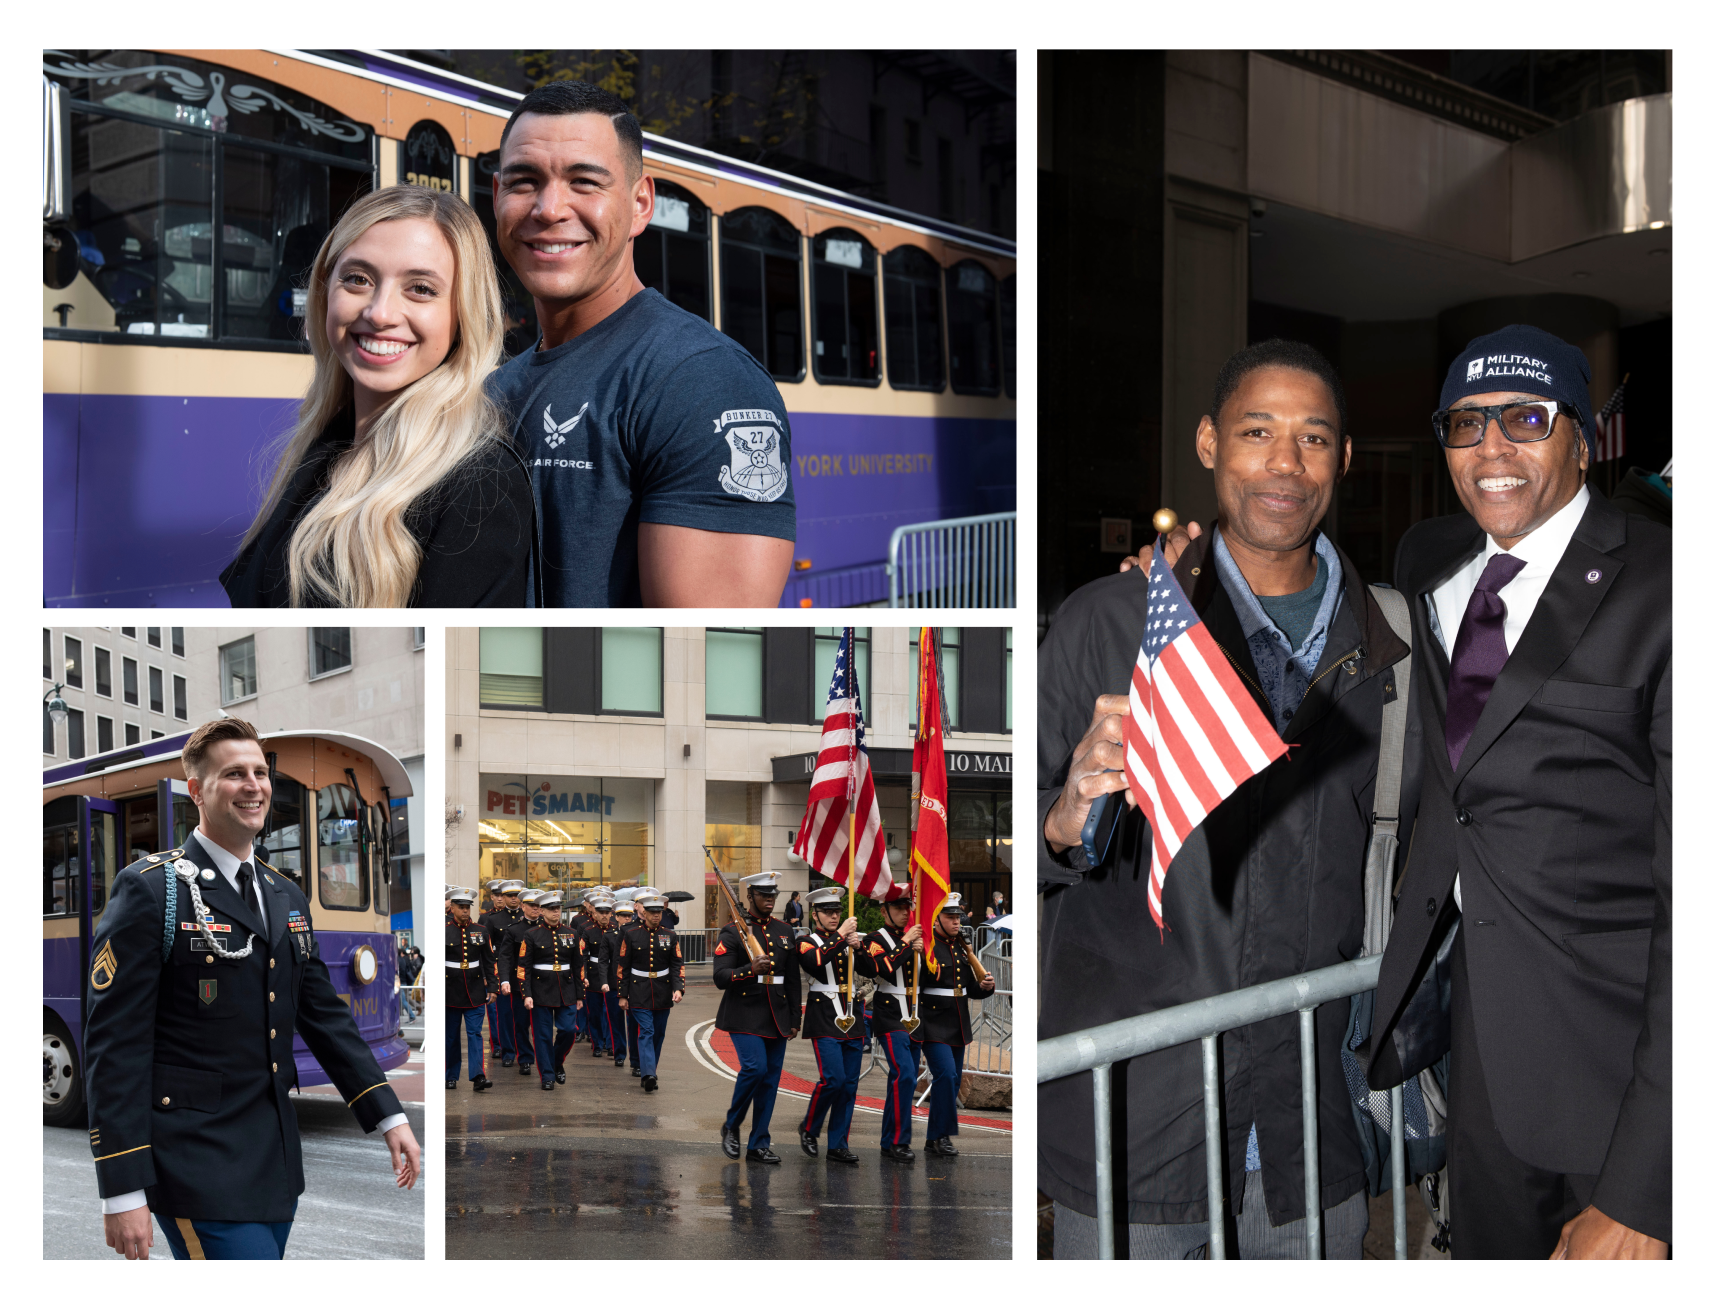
672	257
378	836
429	159
283	843
60	857
1008	339
972	312
521	326
845	316
761	289
102	860
915	356
342	878
182	170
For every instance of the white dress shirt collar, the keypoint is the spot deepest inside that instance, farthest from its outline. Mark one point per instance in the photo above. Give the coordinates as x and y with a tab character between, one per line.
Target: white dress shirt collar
225	861
1544	546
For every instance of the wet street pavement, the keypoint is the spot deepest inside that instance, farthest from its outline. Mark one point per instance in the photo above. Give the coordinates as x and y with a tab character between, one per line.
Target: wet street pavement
633	1174
352	1209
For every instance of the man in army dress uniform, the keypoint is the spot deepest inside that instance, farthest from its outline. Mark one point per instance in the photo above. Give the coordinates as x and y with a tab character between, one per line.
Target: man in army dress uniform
469	981
551	983
189	1042
892	954
760	1011
823	954
650	978
944	1030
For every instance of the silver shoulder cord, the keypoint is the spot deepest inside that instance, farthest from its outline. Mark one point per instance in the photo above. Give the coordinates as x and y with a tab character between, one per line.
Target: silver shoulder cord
186	871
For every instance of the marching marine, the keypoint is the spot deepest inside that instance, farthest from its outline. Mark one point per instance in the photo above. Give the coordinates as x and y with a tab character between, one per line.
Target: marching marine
484	915
205	969
944	1030
650	978
837	1029
526	916
551	982
623	915
497	923
593	942
469	984
893	953
760	1011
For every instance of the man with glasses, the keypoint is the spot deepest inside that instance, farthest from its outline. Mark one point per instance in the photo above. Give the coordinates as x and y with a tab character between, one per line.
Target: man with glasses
1544	686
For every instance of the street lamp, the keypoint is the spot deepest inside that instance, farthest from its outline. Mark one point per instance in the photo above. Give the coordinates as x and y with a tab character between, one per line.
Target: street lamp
55	705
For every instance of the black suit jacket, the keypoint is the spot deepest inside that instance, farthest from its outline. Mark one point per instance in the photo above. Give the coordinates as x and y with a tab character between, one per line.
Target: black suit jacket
189	1063
1558	818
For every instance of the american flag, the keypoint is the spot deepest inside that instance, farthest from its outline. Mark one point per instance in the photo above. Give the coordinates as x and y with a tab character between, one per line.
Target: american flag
1611	426
1195	734
841	773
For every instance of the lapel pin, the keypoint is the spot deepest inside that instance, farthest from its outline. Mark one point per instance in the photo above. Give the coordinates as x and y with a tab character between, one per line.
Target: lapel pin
207	875
1592	576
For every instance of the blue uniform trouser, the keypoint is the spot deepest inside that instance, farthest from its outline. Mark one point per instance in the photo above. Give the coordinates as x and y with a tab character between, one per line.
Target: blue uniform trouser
468	1021
583	1010
834	1094
494	1044
226	1240
617	1023
942	1060
601	1028
761	1071
554	1037
524	1037
650	1026
903	1059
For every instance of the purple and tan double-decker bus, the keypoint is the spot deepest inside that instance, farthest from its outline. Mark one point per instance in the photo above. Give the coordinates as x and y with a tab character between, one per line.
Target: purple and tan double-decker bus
328	831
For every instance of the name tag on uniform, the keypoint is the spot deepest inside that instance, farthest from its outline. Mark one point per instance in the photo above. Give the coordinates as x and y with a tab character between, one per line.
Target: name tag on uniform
214	928
203	945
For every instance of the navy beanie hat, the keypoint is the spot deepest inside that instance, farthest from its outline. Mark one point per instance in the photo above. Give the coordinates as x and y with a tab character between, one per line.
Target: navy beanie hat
1525	359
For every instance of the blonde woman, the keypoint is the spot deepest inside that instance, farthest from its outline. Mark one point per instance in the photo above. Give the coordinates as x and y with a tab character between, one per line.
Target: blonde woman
398	486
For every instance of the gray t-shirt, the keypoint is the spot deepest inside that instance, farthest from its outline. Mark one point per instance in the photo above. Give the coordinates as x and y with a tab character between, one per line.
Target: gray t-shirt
651	415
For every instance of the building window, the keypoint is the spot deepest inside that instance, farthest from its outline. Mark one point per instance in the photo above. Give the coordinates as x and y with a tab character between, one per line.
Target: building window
154	636
163	157
418	637
1008	336
156	734
104	734
947	207
178	641
734	833
912	141
74	734
511	666
47	654
950	642
237	671
845	308
47	732
327	650
156	689
825	641
876	147
1008	680
342	878
181	697
131	632
131	733
734	673
914	344
74	662
104	673
761	289
672	257
632	669
129	681
972	313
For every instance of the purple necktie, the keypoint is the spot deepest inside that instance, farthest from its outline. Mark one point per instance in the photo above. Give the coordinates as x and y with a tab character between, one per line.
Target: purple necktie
1479	654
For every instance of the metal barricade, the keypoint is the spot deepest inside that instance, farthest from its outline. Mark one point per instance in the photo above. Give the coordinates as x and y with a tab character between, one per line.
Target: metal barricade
1098	1048
990	1053
965	562
697	947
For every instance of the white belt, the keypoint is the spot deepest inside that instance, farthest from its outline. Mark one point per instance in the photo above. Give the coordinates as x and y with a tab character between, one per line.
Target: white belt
940	993
543	965
651	974
822	988
775	979
592	959
463	965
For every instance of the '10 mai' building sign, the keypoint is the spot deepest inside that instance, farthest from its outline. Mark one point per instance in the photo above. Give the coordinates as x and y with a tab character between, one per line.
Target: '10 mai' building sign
996	768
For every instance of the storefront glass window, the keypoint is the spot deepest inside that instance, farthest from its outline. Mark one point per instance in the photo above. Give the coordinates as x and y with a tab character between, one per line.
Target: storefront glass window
734	833
567	832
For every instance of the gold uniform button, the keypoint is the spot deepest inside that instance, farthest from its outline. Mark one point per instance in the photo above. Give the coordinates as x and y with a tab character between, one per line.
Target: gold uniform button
273	1033
273	963
210	961
273	1067
165	1101
272	996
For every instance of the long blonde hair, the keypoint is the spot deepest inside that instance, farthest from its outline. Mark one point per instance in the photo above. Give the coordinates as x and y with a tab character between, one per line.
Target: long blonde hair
352	548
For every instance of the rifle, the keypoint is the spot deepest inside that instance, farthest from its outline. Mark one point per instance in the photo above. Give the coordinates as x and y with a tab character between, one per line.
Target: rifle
754	949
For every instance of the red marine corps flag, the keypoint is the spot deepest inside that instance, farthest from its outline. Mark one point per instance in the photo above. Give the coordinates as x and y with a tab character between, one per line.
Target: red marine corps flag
1195	734
930	850
843	784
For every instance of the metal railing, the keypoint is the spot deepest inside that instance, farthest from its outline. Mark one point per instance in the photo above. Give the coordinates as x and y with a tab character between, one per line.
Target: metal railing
697	946
1098	1048
990	1051
965	562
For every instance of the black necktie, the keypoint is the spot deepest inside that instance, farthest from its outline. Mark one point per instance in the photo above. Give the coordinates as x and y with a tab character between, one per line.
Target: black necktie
244	882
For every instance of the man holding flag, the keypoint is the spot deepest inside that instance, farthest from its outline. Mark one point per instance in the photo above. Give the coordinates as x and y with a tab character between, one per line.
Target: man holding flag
1232	701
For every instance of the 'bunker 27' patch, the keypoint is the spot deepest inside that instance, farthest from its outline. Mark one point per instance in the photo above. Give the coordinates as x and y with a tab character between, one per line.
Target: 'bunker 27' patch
104	968
755	470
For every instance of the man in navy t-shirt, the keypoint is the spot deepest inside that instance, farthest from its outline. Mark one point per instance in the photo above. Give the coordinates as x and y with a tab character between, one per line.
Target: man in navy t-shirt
659	447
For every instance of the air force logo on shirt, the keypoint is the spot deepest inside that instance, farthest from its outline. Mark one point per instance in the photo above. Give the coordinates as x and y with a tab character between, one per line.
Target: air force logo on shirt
557	431
755	470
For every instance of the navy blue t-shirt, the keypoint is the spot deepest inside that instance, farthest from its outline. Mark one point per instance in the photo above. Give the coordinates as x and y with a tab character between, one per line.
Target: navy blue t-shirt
651	415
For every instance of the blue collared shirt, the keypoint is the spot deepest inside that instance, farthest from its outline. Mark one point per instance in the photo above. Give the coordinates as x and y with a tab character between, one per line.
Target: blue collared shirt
1284	672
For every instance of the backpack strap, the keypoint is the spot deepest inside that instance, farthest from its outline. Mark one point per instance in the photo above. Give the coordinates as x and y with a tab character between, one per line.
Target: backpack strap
1388	790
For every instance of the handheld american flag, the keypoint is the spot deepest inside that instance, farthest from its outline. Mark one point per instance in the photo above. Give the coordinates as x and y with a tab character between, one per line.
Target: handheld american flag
1611	425
1195	733
842	772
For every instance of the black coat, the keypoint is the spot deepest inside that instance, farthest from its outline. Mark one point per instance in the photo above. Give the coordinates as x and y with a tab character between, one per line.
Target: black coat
824	956
656	954
593	943
1269	887
890	959
476	529
945	1015
470	972
1559	819
548	969
750	1005
188	1065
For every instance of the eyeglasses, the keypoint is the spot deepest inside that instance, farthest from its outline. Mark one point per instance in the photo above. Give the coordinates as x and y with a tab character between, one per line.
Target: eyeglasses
1522	422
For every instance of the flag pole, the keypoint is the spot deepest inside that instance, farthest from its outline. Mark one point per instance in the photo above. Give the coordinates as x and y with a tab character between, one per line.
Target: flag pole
847	1021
